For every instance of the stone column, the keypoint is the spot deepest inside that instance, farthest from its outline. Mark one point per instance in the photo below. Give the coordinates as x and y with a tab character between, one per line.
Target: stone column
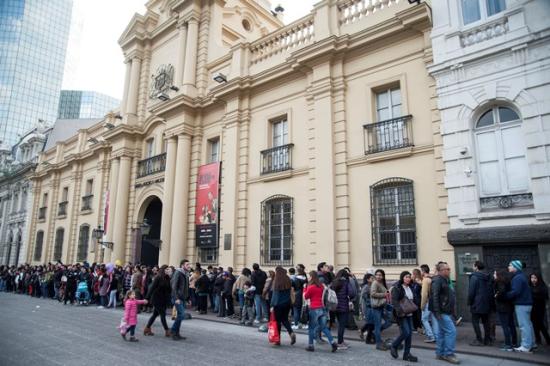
167	201
180	63
121	217
190	69
126	86
113	179
181	198
133	90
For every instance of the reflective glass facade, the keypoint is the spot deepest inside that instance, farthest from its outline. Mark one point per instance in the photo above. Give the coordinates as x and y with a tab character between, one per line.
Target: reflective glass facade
75	104
33	43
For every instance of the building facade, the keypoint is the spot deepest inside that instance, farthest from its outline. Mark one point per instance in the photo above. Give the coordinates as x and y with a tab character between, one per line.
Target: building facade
491	64
76	104
33	38
325	133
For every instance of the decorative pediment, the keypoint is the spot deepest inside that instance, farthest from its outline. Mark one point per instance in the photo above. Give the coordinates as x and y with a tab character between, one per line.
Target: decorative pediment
138	27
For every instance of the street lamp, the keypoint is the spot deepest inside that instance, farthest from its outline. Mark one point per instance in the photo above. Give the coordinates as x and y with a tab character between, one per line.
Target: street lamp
98	236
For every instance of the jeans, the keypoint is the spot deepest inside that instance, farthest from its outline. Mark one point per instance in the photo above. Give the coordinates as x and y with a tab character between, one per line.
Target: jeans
508	328
44	290
247	313
377	316
318	323
486	332
296	314
2	285
103	300
429	323
112	299
342	323
240	296
446	337
261	307
180	308
216	303
405	334
523	314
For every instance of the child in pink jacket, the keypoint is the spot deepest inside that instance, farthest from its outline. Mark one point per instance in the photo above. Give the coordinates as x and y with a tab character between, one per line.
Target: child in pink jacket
130	314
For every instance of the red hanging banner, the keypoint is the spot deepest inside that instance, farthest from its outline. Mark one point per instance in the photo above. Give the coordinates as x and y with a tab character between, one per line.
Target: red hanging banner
207	206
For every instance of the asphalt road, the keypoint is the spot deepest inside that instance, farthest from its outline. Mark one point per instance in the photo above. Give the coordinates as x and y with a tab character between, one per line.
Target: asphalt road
45	332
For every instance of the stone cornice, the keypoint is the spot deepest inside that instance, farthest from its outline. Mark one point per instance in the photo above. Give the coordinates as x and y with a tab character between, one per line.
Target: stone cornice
178	130
125	152
527	234
121	130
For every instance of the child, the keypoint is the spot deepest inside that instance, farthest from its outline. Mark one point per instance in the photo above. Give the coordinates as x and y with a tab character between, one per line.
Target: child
248	308
130	313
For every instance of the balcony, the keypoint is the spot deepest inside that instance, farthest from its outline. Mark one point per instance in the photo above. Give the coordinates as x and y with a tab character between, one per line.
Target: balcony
152	165
277	159
62	209
42	213
87	202
391	134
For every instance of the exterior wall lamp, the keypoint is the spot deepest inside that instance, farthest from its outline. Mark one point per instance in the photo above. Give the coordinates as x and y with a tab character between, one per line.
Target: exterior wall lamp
97	234
220	78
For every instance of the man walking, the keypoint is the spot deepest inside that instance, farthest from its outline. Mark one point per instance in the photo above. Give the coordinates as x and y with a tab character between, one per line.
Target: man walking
258	279
180	295
523	303
441	304
428	321
480	297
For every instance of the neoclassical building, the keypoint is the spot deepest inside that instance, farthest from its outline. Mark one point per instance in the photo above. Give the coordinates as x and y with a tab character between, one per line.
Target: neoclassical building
492	67
240	140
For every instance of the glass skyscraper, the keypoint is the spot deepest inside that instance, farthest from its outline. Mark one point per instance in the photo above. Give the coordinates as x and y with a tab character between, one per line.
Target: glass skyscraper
75	104
33	44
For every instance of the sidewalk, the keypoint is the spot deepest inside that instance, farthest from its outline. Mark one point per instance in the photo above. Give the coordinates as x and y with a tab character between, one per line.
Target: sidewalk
465	334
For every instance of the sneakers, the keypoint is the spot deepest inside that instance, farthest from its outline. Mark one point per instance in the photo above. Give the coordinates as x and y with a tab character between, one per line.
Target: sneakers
305	326
429	340
450	359
256	322
506	349
294	327
101	307
522	350
265	320
342	346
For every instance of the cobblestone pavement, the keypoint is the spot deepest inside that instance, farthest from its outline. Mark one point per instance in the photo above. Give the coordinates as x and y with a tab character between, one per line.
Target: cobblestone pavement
45	332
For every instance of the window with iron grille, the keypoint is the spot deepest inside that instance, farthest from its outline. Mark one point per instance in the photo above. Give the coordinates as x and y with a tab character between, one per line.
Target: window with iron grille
38	245
83	239
393	221
277	231
208	255
58	248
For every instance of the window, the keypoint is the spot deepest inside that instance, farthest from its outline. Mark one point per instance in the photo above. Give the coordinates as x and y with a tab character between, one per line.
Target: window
23	201
208	255
280	132
149	148
393	221
277	228
279	157
501	153
213	150
388	104
14	203
83	240
65	194
38	245
58	248
474	10
89	186
45	200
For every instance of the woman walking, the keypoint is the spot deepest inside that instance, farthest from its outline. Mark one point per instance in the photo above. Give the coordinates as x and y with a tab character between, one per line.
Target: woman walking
345	292
313	293
538	314
505	310
379	295
402	299
281	301
367	310
159	296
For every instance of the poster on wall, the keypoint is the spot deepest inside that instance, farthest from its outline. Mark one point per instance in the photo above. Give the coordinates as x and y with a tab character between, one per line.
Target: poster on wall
207	206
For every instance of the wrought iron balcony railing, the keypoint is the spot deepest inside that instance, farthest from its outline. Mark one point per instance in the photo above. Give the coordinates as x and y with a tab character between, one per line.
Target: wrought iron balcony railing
395	133
62	209
42	213
87	202
277	159
152	165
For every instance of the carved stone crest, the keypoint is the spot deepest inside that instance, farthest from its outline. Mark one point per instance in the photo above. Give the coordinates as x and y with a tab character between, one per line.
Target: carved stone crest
162	80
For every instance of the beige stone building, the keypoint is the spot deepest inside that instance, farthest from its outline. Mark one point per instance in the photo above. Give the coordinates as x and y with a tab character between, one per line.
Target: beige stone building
327	132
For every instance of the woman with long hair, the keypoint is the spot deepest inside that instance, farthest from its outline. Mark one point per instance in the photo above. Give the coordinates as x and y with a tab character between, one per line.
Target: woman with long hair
505	309
538	313
159	296
367	310
378	297
313	293
345	292
400	292
281	301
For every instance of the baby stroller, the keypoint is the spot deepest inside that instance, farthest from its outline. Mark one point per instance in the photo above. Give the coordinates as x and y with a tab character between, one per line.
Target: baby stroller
82	293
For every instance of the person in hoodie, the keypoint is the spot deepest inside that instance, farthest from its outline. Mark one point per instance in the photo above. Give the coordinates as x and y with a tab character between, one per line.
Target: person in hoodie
521	295
298	279
480	297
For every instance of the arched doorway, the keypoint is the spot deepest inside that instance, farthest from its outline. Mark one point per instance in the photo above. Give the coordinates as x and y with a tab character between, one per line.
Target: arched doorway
150	243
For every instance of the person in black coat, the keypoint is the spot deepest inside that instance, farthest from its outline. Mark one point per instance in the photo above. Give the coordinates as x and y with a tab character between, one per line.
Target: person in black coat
538	313
480	296
202	286
159	296
505	310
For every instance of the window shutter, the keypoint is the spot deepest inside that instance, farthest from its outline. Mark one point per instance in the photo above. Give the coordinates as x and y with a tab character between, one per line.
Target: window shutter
488	163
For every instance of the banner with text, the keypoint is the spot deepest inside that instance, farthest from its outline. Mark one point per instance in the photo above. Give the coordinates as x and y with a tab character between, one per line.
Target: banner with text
207	206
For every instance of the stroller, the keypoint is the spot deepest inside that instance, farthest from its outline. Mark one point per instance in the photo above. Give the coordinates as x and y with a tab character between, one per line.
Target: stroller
82	293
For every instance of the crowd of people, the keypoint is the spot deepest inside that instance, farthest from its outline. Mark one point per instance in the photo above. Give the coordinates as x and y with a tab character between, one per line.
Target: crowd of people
420	301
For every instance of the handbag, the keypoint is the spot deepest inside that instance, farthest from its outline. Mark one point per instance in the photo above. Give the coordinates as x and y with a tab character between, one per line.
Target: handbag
123	326
272	331
407	306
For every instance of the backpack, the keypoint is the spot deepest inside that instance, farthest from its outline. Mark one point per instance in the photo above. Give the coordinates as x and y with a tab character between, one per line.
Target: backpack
330	300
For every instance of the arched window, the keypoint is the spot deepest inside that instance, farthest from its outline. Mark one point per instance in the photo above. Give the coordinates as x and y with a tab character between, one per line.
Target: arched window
38	245
58	248
501	153
393	221
83	240
277	231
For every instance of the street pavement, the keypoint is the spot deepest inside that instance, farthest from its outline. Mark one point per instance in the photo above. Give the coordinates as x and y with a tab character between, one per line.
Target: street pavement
45	332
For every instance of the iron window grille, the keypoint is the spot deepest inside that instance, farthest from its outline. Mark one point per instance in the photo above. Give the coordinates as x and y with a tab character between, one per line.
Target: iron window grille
276	238
58	248
393	222
87	202
208	255
277	159
152	165
38	245
391	134
62	209
83	239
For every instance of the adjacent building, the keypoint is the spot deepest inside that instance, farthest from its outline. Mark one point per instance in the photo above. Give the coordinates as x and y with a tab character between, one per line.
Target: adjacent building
492	67
33	39
80	104
242	140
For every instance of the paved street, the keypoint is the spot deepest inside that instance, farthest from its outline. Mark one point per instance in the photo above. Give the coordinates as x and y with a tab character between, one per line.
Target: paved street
44	332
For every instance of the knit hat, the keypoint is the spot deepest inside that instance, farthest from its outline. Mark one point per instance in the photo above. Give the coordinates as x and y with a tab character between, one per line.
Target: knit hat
516	264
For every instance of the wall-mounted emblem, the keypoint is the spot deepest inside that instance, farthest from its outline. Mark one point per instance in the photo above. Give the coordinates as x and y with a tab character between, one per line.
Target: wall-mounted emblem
161	81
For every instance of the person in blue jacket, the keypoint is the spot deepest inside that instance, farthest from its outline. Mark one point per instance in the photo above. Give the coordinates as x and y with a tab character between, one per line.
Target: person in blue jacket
522	297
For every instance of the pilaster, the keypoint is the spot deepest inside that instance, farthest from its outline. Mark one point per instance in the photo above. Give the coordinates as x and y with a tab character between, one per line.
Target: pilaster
168	200
71	236
121	218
